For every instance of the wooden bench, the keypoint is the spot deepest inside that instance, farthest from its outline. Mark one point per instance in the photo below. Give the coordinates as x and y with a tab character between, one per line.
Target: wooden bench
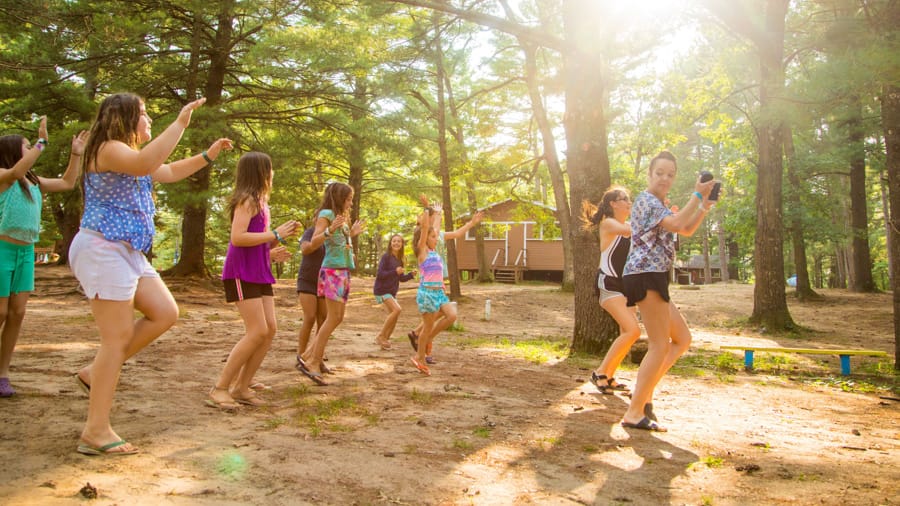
844	354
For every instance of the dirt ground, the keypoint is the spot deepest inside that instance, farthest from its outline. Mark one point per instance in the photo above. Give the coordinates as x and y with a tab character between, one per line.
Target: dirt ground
494	424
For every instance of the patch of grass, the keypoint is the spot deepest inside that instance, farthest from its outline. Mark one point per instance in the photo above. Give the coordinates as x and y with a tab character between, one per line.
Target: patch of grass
462	444
317	415
549	440
728	362
456	327
710	461
706	500
275	422
484	432
80	318
421	397
590	449
538	350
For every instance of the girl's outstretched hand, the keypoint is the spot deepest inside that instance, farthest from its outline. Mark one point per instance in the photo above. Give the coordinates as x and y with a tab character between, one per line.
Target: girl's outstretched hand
184	117
279	254
216	147
78	142
42	129
288	229
338	222
357	228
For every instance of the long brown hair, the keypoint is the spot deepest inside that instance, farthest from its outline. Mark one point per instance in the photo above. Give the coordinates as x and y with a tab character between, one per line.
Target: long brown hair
253	182
592	215
399	255
10	154
116	120
334	198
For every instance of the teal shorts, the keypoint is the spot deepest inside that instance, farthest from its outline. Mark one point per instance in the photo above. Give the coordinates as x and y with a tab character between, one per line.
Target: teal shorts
381	298
16	268
431	300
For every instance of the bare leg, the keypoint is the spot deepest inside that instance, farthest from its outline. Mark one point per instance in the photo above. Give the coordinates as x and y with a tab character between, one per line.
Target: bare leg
315	351
629	332
160	311
253	315
393	310
656	316
12	313
313	314
434	324
242	388
121	338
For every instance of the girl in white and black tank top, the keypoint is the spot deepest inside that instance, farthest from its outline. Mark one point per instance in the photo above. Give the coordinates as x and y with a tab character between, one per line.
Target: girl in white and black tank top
609	217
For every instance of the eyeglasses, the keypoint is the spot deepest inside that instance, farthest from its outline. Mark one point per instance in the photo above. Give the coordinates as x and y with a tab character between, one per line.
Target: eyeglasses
623	199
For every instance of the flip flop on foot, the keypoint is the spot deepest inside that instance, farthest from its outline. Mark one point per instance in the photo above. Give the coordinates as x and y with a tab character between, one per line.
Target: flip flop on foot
251	400
121	447
413	340
644	424
260	386
648	411
225	404
421	367
85	387
315	376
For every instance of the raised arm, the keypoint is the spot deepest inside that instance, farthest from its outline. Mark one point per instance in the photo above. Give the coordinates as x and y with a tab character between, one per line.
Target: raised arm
67	181
118	157
461	231
176	171
681	221
8	175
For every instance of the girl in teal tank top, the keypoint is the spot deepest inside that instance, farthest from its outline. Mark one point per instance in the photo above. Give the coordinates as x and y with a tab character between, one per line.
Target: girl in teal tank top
20	223
332	230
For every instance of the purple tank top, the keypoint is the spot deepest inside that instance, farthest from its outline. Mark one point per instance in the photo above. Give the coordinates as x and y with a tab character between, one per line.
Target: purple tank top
250	263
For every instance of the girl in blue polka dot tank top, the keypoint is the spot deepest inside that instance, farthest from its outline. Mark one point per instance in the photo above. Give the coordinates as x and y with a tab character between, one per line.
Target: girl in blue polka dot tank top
107	254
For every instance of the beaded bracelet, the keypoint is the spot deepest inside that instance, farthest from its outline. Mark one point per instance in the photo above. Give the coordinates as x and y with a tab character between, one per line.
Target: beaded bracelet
278	237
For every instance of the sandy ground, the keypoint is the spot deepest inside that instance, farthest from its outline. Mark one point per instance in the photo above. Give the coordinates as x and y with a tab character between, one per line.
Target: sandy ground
492	425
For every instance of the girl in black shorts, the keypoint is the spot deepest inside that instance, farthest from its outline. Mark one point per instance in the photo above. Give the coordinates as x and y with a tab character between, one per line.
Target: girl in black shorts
646	280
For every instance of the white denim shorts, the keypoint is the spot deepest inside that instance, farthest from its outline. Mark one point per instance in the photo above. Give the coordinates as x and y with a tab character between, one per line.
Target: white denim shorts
107	270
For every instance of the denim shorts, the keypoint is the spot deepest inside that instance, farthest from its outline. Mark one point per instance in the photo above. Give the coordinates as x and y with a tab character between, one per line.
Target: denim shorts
381	298
16	268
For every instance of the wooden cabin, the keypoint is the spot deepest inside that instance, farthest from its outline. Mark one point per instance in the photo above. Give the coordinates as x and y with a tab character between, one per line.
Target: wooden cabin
691	271
522	241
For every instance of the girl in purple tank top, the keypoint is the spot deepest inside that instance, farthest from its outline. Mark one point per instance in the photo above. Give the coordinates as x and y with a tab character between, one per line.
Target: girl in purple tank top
248	280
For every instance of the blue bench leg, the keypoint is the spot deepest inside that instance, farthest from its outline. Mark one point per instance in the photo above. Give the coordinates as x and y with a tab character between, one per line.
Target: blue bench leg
748	360
845	365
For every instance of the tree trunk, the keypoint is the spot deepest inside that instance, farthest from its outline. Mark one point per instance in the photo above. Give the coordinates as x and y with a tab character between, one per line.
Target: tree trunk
890	121
724	273
707	271
550	158
861	279
444	164
356	151
795	219
191	261
585	122
769	301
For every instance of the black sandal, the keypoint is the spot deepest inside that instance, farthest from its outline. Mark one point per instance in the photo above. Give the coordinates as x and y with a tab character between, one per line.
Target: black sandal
606	385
